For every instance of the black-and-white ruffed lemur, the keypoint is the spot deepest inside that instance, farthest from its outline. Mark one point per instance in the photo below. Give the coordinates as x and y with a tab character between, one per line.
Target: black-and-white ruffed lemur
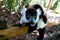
35	19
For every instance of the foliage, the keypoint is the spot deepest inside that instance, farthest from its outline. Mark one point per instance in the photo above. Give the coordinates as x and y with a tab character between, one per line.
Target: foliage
55	5
55	12
58	27
11	5
25	2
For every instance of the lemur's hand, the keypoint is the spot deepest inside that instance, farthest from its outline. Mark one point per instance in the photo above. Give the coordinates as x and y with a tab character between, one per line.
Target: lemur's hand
36	31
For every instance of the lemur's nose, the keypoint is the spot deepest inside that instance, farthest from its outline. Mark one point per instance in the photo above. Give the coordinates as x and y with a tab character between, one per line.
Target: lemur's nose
31	20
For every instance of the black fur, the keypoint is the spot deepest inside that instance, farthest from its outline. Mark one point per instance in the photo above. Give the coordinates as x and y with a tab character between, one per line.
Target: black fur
41	34
31	12
44	18
37	6
31	28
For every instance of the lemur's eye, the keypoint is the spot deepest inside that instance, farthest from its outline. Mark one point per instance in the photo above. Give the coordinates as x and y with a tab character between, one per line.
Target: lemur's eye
35	17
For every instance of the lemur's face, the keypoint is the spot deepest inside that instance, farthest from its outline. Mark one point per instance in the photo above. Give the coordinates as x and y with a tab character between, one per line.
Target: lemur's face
31	15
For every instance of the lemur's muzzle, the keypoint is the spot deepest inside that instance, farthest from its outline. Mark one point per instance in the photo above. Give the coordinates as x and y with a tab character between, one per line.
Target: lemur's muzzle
31	20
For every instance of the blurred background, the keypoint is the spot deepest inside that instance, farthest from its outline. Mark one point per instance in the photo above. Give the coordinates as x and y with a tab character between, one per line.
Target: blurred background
10	15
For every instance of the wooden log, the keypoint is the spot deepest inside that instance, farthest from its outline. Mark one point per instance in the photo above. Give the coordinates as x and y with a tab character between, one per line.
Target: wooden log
14	31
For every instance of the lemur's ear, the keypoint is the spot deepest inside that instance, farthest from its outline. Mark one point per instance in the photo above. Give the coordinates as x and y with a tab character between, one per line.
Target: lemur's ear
39	7
36	6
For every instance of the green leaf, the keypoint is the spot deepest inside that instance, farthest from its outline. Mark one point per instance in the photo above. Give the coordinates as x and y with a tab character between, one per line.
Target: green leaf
58	27
11	4
55	5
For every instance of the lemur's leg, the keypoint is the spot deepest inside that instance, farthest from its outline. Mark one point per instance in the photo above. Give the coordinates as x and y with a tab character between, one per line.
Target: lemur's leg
31	29
41	34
